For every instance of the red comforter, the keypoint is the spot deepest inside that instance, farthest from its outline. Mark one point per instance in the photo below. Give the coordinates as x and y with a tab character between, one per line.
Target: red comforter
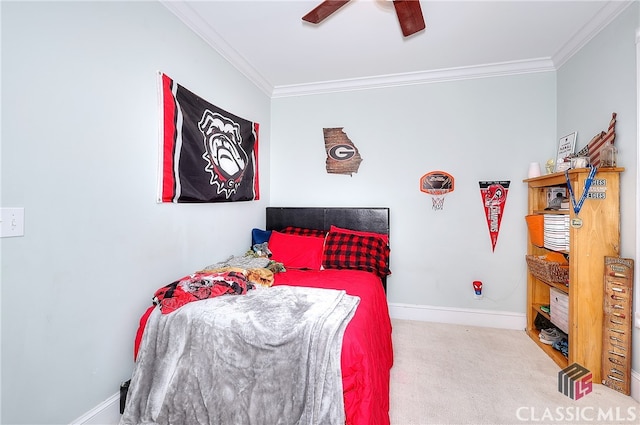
367	352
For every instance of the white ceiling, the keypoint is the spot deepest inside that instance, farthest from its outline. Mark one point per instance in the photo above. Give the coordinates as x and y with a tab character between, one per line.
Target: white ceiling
361	44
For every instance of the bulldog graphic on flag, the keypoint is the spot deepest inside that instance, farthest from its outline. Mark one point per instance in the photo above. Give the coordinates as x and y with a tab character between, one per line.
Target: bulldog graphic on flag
206	154
494	198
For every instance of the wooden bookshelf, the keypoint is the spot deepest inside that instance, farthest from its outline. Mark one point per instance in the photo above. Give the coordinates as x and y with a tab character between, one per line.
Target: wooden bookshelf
593	234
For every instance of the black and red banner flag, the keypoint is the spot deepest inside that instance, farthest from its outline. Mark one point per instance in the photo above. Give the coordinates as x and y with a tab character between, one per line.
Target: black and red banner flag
494	198
206	153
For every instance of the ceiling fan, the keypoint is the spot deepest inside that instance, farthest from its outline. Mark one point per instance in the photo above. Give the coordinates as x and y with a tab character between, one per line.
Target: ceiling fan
409	14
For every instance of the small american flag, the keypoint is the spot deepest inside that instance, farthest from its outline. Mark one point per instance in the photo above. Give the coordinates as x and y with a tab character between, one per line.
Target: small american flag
595	146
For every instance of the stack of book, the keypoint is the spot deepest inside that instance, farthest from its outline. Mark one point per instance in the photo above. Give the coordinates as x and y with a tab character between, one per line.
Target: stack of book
556	232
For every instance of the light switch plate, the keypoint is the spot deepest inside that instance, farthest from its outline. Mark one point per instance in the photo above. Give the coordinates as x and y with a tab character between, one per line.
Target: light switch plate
11	222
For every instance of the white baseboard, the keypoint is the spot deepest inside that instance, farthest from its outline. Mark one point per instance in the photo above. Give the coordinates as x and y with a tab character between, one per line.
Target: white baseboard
458	316
635	385
108	412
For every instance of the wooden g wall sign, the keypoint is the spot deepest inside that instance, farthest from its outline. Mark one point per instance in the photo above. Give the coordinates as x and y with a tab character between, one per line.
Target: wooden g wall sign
342	155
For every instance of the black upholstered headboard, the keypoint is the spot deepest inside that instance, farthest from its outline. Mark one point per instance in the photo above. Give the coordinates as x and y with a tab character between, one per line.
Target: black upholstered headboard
321	218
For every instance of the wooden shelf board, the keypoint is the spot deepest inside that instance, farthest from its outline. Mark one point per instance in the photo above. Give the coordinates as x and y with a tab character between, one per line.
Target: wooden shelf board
559	286
553	212
555	355
560	179
537	308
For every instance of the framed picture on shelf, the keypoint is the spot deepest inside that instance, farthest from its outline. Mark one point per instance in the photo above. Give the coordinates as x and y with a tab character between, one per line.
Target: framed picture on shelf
556	197
566	147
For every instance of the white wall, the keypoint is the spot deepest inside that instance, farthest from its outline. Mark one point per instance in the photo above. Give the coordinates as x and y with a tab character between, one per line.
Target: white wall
482	129
600	79
79	153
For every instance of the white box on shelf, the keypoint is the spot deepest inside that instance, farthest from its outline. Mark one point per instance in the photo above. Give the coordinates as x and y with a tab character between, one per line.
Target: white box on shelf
559	305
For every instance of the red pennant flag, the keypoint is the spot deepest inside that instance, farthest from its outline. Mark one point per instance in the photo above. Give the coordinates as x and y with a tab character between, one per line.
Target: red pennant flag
494	197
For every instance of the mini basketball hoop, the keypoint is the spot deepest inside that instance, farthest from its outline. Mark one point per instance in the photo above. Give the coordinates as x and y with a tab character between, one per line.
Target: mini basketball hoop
437	184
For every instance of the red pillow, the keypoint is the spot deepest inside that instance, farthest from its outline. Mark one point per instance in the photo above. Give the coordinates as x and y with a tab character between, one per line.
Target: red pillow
296	252
336	229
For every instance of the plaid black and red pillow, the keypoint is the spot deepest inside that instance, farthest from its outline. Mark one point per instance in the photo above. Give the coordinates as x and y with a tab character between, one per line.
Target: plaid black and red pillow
337	229
301	231
351	251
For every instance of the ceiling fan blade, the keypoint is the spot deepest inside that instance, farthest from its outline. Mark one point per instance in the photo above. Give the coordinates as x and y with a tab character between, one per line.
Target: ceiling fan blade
410	16
323	10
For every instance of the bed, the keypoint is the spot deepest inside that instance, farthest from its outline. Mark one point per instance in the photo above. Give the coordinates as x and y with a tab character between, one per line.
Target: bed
328	352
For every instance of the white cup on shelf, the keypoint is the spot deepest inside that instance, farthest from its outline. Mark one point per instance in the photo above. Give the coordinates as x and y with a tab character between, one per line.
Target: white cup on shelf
534	170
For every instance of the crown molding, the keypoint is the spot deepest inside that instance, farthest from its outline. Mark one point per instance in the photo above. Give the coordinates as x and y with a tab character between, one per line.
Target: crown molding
410	78
604	17
190	18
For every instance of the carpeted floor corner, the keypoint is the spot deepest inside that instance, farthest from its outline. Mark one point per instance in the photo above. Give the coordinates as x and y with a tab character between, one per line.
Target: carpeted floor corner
456	374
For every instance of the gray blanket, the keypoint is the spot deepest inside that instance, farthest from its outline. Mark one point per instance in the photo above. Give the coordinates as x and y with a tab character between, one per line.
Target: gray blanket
243	262
269	357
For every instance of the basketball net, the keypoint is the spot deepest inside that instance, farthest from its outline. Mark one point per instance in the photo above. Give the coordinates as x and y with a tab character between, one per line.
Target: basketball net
437	184
437	197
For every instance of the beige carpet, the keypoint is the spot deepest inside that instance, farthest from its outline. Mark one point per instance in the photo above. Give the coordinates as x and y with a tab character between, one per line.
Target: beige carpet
455	374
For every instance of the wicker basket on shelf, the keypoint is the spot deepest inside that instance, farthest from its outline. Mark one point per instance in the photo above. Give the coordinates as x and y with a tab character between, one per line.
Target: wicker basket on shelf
549	271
